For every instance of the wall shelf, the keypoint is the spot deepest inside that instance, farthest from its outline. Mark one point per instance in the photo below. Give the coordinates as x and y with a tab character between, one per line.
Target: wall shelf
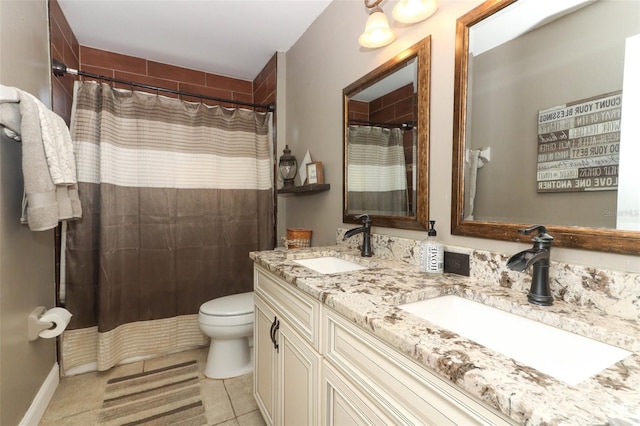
305	189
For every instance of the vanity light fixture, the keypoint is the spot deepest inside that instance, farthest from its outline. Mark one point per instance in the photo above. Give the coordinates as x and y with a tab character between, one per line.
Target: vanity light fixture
377	32
412	11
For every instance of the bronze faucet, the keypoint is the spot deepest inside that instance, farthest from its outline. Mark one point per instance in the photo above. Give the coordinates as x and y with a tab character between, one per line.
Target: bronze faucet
538	256
366	235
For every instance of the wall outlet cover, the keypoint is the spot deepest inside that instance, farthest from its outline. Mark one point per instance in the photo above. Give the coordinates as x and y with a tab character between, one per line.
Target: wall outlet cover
456	263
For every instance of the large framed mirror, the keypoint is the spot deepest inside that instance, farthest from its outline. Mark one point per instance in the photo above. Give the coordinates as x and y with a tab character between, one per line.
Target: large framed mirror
386	142
545	122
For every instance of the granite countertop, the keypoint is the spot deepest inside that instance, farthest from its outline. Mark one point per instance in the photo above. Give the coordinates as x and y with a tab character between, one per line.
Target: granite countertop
370	297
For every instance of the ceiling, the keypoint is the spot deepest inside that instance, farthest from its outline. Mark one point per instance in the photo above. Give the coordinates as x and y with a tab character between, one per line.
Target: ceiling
234	38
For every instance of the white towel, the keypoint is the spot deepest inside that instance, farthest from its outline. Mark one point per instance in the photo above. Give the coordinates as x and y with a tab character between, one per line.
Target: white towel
46	202
57	144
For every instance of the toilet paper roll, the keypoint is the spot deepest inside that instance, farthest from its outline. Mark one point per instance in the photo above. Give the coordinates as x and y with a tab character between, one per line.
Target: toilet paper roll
60	318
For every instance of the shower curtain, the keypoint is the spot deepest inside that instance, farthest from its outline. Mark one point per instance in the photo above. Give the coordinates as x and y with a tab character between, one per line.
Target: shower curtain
376	174
176	195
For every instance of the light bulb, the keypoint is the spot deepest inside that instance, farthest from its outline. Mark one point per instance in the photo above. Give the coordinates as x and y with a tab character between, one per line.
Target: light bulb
412	11
377	32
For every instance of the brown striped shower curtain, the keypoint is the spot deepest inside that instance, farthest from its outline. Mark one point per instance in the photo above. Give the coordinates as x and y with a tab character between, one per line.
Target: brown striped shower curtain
376	171
175	196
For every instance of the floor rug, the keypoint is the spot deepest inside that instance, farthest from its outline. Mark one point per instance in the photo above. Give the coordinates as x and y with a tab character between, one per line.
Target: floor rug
169	395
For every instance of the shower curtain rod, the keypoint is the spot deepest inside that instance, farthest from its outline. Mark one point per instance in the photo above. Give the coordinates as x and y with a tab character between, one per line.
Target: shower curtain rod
407	125
60	69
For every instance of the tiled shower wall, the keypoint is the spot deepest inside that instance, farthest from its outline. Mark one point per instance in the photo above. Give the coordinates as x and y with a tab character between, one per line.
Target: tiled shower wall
65	47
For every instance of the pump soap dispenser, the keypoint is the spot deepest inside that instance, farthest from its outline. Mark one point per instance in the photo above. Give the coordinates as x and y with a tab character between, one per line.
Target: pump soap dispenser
431	252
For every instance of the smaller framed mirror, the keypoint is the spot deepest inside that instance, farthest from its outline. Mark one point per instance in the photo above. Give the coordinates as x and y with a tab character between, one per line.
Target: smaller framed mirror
386	142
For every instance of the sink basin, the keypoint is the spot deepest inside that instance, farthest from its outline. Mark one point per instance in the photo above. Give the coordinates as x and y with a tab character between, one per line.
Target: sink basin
329	265
558	353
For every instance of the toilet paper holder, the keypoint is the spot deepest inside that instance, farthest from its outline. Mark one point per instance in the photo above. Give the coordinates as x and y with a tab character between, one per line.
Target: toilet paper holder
35	326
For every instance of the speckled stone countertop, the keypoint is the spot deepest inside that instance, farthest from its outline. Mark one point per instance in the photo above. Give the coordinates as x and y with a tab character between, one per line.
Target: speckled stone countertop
370	297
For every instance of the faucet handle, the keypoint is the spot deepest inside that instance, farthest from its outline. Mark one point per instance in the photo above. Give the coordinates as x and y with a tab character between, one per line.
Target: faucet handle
542	237
365	218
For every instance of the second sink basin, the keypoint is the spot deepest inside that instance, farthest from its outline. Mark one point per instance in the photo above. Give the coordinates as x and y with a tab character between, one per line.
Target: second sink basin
329	265
561	354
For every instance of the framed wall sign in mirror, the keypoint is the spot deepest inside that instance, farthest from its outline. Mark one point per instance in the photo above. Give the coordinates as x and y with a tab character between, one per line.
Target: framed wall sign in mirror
554	102
386	142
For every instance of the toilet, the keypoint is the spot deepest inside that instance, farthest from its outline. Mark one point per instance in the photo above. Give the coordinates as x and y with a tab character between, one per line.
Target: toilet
228	321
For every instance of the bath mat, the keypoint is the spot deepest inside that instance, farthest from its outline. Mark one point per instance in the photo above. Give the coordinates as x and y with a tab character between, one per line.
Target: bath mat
169	395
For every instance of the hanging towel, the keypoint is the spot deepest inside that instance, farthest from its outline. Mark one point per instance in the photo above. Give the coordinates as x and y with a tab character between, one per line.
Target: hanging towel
48	164
474	164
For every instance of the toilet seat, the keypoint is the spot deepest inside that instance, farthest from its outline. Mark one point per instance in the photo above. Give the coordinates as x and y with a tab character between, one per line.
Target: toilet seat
236	309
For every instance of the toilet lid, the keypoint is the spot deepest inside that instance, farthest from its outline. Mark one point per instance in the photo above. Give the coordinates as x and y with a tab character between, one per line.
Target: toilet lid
236	304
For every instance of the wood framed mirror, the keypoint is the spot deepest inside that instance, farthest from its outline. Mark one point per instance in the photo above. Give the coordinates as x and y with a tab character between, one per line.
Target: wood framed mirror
544	127
386	142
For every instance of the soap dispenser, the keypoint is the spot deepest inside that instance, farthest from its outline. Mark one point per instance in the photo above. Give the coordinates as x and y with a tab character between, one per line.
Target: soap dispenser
431	252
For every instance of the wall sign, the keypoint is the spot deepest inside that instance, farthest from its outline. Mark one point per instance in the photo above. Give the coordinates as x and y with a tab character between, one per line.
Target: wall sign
315	172
579	145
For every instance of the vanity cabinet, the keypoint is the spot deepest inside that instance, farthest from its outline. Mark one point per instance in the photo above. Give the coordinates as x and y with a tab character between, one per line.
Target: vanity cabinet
367	381
313	366
287	360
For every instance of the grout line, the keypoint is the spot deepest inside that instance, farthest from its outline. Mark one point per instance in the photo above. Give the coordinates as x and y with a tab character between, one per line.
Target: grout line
224	384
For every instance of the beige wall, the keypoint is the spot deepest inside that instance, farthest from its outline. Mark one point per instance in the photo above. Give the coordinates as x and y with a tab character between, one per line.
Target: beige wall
26	258
326	59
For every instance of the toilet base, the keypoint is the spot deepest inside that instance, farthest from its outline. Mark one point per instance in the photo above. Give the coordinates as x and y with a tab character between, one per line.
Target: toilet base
228	358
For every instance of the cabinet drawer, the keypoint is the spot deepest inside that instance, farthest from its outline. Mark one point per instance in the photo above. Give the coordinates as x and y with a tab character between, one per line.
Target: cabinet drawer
301	311
404	389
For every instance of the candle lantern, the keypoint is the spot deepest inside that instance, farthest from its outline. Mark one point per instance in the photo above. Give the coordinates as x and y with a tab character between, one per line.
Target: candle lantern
288	167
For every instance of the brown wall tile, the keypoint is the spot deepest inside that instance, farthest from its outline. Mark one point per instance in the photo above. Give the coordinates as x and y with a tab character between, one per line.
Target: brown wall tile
115	61
56	39
398	95
171	72
359	107
56	15
144	79
404	108
233	84
70	57
62	101
264	85
269	68
64	46
243	97
206	91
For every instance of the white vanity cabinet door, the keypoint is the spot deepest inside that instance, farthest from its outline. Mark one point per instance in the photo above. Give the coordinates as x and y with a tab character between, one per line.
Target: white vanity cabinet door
298	379
264	358
287	366
404	390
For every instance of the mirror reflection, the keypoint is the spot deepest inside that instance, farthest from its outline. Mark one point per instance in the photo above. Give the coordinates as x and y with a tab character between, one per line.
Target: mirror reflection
546	118
381	145
385	142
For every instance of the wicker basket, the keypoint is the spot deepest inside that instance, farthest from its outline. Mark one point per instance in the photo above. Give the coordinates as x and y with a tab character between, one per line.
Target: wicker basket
297	238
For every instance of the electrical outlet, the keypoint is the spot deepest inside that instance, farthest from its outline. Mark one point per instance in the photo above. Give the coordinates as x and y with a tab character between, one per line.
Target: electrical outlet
456	263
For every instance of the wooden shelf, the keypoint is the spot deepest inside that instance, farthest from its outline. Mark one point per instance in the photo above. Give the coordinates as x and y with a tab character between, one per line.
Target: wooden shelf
305	189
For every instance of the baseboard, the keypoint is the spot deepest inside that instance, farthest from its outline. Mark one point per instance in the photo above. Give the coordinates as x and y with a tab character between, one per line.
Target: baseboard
43	397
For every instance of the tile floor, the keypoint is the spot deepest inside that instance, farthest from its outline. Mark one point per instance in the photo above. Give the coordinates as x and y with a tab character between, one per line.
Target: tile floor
229	402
